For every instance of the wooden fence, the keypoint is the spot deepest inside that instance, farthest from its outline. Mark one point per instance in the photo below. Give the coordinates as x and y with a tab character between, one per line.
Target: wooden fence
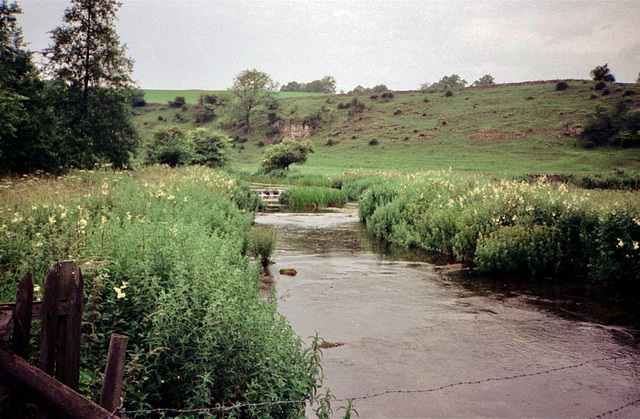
54	385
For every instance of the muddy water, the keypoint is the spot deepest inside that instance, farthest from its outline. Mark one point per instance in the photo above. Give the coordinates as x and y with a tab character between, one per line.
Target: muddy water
416	344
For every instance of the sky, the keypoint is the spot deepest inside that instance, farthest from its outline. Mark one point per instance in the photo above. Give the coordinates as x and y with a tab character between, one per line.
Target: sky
204	44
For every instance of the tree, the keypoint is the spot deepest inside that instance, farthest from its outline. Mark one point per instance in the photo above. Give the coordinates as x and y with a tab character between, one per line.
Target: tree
380	88
252	87
210	148
486	80
292	86
93	78
424	87
286	153
602	73
449	82
28	135
328	85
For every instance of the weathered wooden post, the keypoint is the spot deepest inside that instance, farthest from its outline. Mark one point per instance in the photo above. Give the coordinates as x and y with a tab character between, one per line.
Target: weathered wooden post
112	384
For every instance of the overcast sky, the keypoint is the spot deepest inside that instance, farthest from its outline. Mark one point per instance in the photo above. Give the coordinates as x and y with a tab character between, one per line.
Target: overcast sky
189	44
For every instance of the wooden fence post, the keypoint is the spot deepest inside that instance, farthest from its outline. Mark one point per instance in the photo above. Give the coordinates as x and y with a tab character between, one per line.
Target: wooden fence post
112	384
21	335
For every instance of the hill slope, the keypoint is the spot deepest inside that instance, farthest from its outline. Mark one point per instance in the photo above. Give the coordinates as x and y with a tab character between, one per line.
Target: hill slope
526	128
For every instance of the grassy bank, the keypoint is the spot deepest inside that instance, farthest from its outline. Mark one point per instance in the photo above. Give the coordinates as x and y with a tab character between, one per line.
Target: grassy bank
162	255
533	229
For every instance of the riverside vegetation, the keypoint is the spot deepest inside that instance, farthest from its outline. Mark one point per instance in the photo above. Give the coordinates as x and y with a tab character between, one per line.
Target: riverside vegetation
165	258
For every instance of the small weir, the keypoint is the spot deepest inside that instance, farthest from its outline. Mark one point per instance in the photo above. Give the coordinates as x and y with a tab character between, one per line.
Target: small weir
404	341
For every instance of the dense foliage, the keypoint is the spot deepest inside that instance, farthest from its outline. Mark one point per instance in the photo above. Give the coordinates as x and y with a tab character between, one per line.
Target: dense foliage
82	115
616	125
287	152
252	88
506	226
161	251
325	85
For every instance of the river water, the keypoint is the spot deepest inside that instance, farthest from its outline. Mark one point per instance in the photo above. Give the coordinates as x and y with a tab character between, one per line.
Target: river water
406	341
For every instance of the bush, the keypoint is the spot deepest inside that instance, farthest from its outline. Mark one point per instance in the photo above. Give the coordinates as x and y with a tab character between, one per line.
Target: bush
329	142
272	132
606	92
260	243
373	142
600	85
178	102
286	153
205	113
562	85
448	93
602	73
168	146
273	117
210	148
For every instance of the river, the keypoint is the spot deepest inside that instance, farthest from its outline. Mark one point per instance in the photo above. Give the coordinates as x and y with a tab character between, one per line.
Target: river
406	341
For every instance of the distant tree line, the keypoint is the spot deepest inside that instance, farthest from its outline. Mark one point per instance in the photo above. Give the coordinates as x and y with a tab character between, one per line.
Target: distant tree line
76	112
325	85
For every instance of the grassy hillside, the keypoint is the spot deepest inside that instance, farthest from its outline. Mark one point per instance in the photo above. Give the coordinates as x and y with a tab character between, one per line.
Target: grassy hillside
528	128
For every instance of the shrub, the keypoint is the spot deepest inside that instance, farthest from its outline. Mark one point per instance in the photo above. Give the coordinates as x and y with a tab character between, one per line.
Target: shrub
628	93
387	95
373	142
260	144
272	132
602	73
606	92
286	153
260	243
397	112
178	102
329	142
562	85
272	117
168	146
448	93
210	148
600	85
312	120
205	113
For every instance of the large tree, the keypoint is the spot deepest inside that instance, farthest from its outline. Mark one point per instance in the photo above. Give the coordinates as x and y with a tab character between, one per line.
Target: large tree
252	87
28	138
93	78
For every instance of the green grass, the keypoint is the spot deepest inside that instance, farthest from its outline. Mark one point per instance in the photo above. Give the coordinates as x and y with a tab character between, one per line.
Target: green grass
504	130
193	95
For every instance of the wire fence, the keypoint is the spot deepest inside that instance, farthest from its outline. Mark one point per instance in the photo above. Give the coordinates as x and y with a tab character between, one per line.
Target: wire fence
220	409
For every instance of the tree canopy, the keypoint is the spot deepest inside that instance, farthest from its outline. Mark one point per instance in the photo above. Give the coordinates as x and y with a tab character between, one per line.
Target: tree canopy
486	80
28	137
449	82
286	153
326	85
602	73
93	85
252	87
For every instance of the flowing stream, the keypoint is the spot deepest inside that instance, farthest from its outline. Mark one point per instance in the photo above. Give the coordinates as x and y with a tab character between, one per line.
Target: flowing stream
405	341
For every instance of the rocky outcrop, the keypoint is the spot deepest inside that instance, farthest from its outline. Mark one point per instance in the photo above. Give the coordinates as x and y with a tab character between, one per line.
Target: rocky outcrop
295	130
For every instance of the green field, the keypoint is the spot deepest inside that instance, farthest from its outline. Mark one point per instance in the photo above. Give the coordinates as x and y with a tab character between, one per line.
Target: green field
193	95
528	128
